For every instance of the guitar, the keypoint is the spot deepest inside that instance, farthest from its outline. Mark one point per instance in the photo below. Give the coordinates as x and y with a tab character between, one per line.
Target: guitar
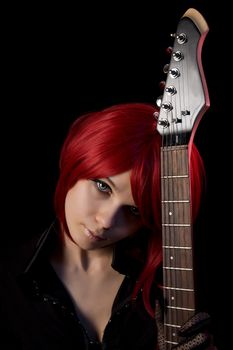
183	104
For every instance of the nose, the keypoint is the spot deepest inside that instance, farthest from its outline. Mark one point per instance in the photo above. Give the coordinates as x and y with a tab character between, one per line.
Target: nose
107	215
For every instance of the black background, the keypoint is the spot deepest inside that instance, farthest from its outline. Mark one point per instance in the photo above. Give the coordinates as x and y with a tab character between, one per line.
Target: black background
61	61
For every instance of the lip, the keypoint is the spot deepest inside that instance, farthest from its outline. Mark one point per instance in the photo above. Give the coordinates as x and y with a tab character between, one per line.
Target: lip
93	236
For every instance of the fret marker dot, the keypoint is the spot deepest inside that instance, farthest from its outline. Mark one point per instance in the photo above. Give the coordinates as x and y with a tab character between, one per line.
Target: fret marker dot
170	213
173	334
172	298
171	257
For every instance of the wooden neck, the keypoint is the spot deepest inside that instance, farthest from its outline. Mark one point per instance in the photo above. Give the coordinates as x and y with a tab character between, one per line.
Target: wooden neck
178	278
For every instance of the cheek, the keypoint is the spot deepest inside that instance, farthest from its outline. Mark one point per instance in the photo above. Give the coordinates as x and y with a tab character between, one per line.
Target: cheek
76	205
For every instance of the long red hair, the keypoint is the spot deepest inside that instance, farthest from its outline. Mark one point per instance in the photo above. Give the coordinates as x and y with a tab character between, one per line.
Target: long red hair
112	141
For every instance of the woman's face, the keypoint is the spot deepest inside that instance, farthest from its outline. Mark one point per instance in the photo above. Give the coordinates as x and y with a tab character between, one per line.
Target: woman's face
100	212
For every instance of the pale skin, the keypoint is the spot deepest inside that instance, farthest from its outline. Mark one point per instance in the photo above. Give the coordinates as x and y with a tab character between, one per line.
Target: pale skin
99	212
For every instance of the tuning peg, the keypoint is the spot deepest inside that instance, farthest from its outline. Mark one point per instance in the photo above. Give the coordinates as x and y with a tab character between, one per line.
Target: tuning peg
178	56
181	38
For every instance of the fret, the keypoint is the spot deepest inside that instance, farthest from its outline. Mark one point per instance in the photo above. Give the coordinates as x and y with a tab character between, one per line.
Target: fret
179	308
177	225
172	325
173	288
177	268
171	342
175	247
174	176
176	201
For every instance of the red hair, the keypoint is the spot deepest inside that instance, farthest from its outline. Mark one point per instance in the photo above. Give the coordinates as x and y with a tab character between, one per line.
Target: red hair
112	141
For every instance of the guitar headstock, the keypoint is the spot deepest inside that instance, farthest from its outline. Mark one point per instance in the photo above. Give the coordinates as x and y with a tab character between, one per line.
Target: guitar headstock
185	97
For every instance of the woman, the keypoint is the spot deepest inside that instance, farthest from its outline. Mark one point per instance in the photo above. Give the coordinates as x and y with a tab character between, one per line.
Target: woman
93	278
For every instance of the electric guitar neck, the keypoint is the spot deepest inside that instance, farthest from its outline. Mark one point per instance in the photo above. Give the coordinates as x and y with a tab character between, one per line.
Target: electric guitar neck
183	104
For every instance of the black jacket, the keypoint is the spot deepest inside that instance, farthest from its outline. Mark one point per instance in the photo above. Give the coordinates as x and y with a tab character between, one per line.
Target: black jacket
37	313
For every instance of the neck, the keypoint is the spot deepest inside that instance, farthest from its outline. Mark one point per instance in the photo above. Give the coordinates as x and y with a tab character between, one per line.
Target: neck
178	275
70	256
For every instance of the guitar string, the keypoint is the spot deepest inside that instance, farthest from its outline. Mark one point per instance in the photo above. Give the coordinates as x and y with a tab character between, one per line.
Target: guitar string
175	167
184	185
191	262
167	229
183	262
189	253
170	209
176	229
164	228
171	215
186	165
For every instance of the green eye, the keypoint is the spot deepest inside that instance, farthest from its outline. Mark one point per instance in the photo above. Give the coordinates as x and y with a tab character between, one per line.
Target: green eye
134	211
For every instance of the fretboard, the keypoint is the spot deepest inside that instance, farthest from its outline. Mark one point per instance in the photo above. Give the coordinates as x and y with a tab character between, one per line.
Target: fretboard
178	278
